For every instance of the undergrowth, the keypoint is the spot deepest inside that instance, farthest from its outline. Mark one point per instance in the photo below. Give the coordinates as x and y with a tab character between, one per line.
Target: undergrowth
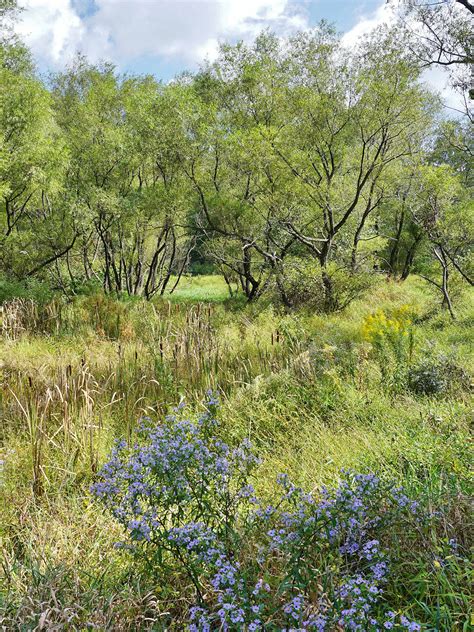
380	390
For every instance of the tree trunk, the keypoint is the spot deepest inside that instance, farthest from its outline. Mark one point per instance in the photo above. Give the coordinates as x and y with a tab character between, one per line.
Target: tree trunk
440	255
394	251
409	258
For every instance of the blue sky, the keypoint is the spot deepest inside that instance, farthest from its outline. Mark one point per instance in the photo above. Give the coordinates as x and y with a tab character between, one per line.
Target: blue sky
344	13
165	37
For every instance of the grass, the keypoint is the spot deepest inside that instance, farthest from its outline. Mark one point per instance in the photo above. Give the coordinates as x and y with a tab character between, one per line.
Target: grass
307	389
202	288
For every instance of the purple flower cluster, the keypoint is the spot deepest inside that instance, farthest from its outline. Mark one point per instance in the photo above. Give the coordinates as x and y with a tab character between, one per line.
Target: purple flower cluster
177	473
313	562
337	529
180	491
224	576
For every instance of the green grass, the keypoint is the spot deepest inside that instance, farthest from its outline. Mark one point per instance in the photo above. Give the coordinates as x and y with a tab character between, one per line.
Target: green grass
307	389
199	289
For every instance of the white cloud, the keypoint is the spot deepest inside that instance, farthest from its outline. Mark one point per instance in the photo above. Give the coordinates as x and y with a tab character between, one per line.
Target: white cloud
437	79
123	30
384	14
52	29
184	31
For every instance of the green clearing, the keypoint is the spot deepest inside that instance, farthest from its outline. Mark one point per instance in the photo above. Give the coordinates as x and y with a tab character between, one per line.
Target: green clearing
199	289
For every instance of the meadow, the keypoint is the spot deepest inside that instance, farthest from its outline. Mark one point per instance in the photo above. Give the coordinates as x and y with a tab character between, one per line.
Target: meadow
382	388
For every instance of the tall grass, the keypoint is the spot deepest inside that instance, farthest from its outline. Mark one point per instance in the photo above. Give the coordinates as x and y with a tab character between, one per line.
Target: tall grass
310	391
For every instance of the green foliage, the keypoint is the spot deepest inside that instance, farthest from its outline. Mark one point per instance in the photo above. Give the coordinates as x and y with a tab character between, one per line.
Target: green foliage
305	389
278	155
302	283
392	337
437	375
202	288
30	289
299	172
427	378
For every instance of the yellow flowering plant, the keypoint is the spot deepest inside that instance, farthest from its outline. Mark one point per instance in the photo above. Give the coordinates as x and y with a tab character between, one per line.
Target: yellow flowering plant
391	335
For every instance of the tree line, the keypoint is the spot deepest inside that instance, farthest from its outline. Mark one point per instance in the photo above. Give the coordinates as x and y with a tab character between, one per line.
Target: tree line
296	167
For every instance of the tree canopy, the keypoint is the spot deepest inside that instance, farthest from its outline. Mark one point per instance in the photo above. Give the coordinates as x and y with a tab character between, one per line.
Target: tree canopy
287	162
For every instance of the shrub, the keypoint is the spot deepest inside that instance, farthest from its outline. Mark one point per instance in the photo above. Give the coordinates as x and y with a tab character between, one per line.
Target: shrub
380	327
436	375
306	562
33	289
300	284
427	378
391	336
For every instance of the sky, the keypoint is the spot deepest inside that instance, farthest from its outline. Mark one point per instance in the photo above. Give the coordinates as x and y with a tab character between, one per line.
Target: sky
165	37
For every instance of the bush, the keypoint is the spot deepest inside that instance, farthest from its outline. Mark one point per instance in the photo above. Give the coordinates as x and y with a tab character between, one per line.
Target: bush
432	376
301	284
33	289
308	561
380	327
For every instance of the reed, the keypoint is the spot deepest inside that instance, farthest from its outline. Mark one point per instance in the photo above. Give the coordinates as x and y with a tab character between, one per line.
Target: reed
70	409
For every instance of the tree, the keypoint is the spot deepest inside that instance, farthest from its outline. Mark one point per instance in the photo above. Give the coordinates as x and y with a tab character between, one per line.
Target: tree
440	34
403	236
162	191
235	177
292	149
122	176
282	159
351	122
444	211
445	36
34	228
454	146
